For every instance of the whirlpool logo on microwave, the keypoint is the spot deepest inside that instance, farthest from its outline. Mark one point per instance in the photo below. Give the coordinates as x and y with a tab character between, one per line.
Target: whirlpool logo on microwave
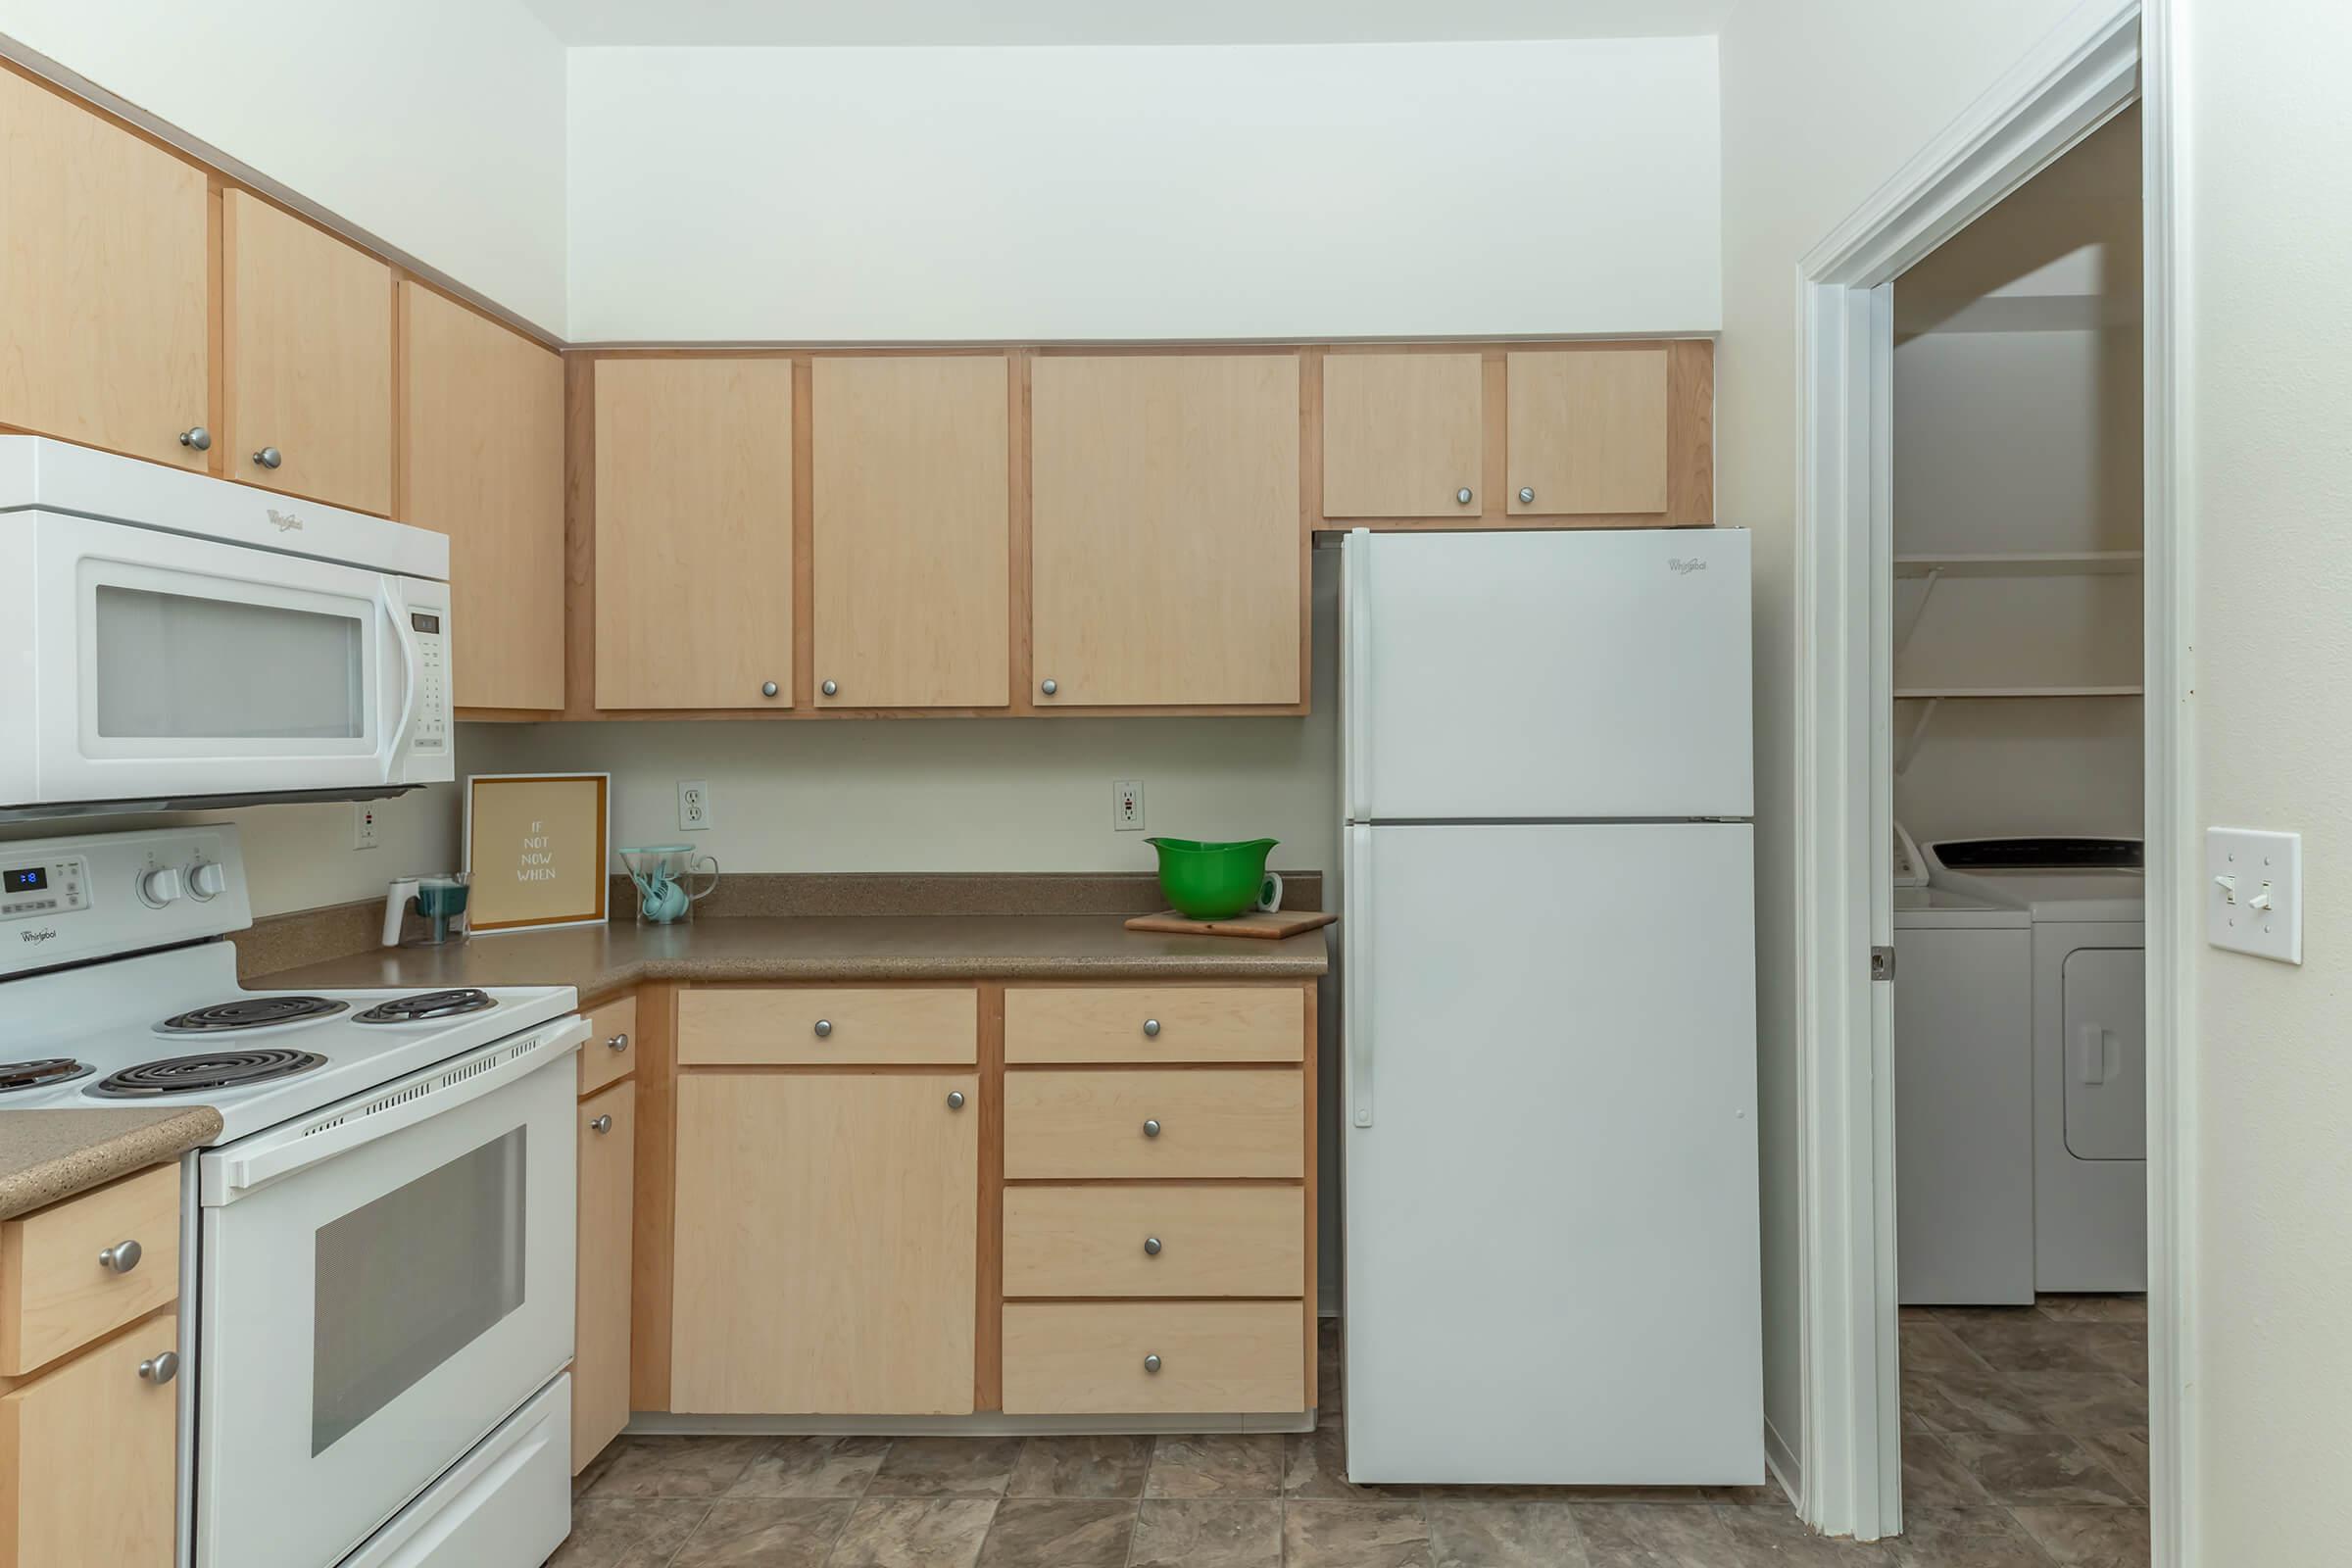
1684	565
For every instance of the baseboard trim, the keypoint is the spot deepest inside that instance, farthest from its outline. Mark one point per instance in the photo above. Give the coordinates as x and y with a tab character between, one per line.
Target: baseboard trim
982	1424
1779	1463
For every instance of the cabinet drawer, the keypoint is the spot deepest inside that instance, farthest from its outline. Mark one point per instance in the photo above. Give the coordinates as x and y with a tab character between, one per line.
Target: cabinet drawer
1155	1023
1073	1358
1174	1123
610	1050
86	1459
56	1293
746	1028
1213	1241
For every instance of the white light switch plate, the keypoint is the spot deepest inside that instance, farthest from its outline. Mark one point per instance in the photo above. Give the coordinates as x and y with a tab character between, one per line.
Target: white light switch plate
2254	892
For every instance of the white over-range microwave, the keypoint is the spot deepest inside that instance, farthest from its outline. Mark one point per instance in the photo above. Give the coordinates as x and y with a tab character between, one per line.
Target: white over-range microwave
173	640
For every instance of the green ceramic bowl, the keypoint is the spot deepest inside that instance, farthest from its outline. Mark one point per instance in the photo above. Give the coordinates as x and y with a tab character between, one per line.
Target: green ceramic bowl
1212	881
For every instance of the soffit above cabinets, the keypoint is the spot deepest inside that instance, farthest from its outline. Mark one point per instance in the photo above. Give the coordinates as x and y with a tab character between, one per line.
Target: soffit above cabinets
808	23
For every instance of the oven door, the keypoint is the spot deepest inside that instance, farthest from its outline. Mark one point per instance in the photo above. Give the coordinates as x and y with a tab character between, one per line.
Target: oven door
170	666
381	1284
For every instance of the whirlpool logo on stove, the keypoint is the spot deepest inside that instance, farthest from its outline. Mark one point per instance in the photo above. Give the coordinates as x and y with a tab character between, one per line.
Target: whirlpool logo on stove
36	938
1684	565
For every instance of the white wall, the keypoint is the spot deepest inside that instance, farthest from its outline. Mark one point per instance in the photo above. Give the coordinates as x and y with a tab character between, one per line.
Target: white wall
437	125
1823	100
2267	387
1120	193
963	795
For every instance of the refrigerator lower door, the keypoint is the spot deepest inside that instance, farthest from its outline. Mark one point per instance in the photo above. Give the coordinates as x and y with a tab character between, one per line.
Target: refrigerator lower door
1551	1209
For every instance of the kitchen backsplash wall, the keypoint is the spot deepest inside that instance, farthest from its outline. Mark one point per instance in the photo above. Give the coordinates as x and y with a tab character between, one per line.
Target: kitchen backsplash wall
960	795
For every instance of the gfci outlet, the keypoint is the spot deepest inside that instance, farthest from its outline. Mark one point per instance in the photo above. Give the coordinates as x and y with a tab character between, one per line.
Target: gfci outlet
1127	806
693	804
363	826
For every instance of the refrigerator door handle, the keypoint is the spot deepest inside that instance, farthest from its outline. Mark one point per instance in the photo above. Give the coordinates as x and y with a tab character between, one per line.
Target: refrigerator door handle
1356	904
1357	716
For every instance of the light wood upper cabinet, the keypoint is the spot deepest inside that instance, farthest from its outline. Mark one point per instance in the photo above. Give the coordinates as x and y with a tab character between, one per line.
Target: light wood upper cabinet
1403	434
600	1368
1165	542
104	246
87	1458
693	534
827	1243
913	535
483	462
1588	432
306	331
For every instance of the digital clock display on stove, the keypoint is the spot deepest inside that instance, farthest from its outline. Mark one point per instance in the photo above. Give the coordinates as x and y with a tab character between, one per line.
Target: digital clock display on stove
32	879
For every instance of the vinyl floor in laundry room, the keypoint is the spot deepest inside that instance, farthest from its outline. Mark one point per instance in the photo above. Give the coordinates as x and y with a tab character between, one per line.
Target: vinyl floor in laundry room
2025	1446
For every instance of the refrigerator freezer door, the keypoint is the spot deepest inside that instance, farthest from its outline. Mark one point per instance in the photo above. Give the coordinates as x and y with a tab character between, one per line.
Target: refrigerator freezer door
1548	675
1551	1221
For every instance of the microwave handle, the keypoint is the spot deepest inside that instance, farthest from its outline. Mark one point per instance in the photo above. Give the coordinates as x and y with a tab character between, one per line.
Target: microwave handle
412	684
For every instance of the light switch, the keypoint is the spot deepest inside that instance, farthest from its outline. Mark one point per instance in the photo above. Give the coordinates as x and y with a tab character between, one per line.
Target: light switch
2254	892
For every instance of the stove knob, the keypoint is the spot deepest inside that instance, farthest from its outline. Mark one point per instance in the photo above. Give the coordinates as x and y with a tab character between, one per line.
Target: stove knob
206	879
159	888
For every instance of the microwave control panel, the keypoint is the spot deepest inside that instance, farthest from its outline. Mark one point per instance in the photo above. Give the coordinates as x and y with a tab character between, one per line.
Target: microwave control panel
432	660
49	888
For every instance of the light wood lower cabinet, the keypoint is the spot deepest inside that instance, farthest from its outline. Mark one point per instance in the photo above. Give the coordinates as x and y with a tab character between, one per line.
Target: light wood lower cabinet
1151	1358
826	1026
826	1242
599	1367
1174	1124
87	1458
1149	1239
64	1278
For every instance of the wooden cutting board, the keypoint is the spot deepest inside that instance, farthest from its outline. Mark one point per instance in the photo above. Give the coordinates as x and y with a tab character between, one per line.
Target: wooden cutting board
1270	925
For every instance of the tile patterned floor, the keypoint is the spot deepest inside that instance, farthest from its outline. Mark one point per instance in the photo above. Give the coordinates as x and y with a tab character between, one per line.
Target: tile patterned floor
2025	1446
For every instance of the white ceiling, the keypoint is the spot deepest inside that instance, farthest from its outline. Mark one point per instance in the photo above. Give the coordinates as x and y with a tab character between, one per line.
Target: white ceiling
818	22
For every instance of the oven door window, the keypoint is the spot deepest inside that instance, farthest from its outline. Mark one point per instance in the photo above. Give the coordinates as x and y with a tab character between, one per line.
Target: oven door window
181	667
406	1282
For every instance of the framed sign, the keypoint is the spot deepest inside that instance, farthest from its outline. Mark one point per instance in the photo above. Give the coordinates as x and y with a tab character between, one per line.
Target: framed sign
536	849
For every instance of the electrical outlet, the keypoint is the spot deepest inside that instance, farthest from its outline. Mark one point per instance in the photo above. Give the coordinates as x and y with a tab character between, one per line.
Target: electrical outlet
1127	806
693	804
363	826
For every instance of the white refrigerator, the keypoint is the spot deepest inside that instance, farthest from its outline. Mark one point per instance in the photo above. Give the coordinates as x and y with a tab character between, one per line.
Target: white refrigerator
1549	1010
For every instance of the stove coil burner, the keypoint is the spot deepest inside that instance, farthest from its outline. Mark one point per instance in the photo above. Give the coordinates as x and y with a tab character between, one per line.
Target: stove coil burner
251	1012
41	1072
427	1005
195	1075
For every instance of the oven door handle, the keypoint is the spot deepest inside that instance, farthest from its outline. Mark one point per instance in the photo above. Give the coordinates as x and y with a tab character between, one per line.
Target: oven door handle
317	1139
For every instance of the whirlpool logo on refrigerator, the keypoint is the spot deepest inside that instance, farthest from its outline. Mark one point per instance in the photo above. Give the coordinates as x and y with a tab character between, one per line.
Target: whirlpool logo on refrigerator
1684	565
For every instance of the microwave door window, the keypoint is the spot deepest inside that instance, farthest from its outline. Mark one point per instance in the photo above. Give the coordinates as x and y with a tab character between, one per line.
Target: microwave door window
180	666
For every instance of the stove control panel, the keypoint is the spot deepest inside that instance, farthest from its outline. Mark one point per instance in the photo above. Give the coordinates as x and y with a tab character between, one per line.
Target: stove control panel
101	895
47	888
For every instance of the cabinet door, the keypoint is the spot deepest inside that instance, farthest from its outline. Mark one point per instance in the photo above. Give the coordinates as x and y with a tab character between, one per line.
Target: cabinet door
1165	536
1587	431
104	247
600	1366
86	1458
826	1242
483	462
912	536
307	329
1403	434
693	534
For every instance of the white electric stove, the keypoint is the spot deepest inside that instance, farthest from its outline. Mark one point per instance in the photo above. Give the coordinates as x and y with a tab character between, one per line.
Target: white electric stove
376	1249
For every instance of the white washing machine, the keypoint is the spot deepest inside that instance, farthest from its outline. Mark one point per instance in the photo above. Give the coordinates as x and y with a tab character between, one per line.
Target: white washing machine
2086	903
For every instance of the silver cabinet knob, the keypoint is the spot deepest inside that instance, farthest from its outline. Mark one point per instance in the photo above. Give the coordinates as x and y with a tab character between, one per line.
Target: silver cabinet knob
824	1028
1527	495
831	688
196	438
121	1257
1049	685
1151	1128
1461	497
160	1369
1150	1028
1151	1363
268	457
602	1124
617	1042
1150	1246
767	687
955	1099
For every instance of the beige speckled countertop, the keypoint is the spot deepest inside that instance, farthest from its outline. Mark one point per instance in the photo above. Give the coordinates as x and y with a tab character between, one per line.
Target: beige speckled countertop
598	960
49	1154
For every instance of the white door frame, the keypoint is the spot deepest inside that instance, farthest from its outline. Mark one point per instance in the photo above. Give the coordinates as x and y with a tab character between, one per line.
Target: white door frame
2102	57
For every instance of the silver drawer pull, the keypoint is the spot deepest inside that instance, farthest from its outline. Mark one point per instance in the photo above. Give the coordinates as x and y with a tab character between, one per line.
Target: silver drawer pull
824	1028
1150	1246
121	1257
1151	1128
617	1042
1150	1028
602	1124
1152	1363
160	1369
955	1099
